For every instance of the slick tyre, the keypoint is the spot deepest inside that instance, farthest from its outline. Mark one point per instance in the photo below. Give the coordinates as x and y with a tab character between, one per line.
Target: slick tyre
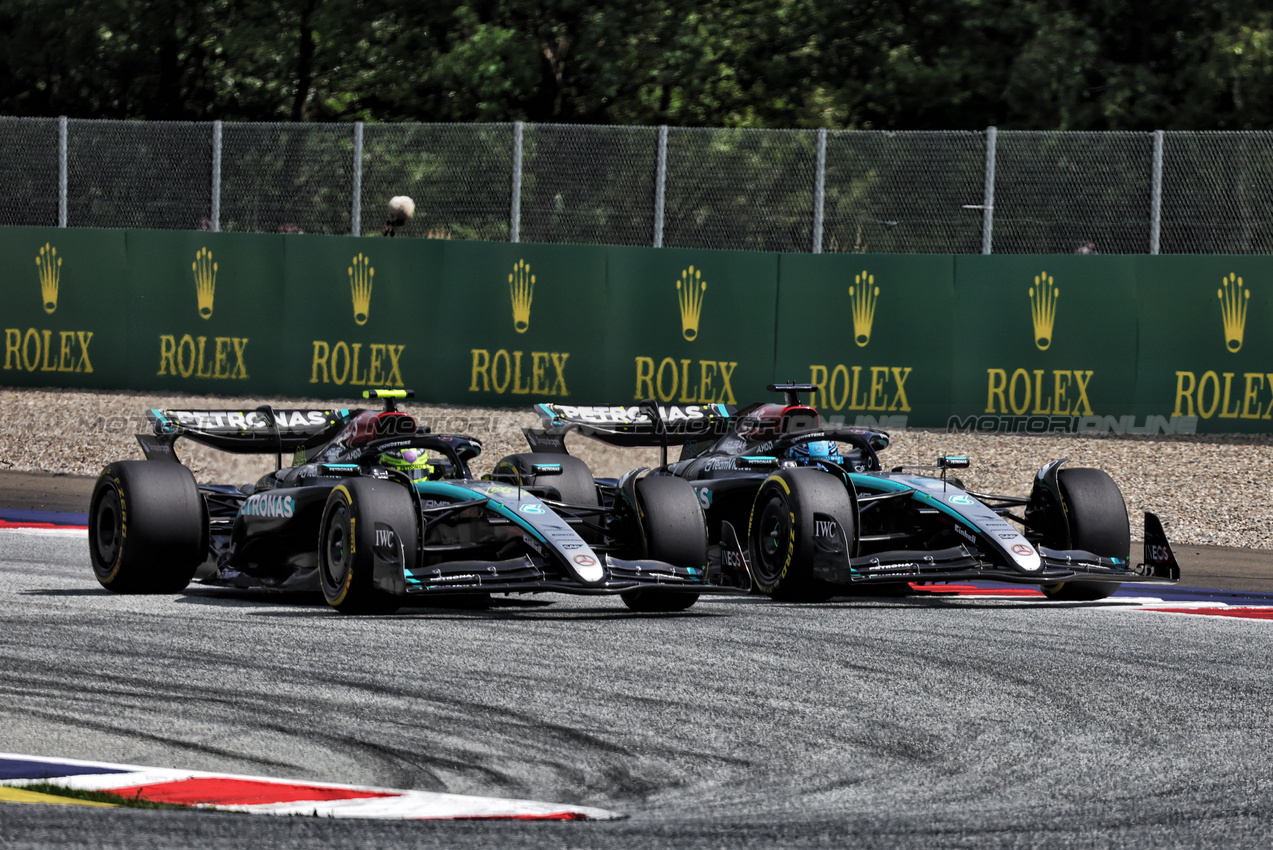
675	533
147	527
1097	520
575	485
782	532
347	543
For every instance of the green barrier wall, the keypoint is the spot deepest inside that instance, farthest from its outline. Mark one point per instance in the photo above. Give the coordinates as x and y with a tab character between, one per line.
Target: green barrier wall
204	312
519	323
1124	344
691	327
358	313
1205	350
64	304
872	331
1048	338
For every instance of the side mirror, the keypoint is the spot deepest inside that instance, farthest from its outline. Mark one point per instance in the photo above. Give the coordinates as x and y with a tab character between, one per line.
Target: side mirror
756	462
953	462
545	469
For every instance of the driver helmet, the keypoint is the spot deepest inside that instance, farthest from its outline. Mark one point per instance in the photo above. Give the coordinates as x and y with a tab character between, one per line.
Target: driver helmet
812	452
413	462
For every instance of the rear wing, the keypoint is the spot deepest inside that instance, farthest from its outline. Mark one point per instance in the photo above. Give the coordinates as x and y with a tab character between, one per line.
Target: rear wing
263	430
644	424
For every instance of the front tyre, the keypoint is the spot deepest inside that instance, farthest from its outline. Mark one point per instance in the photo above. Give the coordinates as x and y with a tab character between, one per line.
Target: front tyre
1096	516
347	543
147	527
790	508
675	533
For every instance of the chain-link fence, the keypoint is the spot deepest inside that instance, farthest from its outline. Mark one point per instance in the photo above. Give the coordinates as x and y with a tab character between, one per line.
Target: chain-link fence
774	190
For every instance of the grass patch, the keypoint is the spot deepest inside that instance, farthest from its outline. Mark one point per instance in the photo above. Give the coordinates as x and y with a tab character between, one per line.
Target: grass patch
96	796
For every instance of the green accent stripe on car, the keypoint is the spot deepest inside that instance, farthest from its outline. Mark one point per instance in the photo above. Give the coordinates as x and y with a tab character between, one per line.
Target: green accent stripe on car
870	482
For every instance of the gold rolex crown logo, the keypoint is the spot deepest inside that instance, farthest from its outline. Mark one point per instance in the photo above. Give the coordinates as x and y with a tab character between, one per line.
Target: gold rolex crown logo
1233	301
50	266
205	281
690	289
862	296
521	288
1043	297
361	277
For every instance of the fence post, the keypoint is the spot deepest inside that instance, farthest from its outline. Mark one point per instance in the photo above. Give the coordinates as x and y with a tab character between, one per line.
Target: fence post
819	190
1155	200
515	215
660	186
61	171
216	177
355	215
988	203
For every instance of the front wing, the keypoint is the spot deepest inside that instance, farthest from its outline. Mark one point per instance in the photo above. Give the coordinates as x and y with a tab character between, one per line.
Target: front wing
532	573
966	563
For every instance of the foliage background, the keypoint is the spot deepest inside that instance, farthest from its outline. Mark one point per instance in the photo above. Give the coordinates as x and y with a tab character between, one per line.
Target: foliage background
839	64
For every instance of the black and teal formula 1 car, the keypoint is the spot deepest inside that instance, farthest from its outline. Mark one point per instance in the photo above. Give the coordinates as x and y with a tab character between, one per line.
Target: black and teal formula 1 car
806	510
376	509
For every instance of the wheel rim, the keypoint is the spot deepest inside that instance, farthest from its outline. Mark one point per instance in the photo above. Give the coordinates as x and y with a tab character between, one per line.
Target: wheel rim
773	538
336	548
107	531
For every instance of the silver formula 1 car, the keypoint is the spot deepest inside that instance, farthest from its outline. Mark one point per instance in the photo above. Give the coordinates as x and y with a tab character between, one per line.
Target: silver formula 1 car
806	510
376	509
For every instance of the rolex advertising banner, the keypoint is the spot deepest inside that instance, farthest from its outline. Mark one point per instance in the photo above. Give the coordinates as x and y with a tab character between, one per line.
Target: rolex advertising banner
1006	343
1042	343
1206	356
691	327
64	296
359	314
204	312
520	323
872	332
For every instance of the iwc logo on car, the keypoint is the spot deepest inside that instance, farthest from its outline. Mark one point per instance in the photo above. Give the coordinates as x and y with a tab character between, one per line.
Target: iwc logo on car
865	388
359	364
196	355
687	380
514	371
42	349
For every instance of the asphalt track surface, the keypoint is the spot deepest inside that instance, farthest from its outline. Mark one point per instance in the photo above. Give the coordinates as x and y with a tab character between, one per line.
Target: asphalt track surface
909	722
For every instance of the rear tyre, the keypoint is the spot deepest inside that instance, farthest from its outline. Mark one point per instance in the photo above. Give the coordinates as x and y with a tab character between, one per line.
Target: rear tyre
575	484
147	527
1096	517
781	533
675	533
346	543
